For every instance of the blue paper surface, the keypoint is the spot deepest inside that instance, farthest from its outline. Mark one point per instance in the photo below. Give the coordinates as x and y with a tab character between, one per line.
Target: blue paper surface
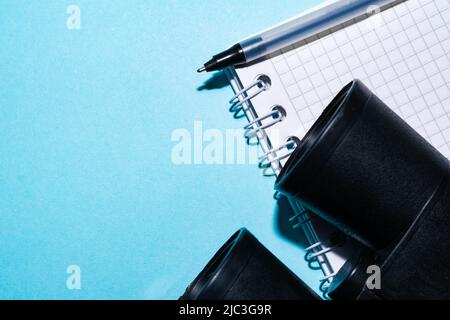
87	176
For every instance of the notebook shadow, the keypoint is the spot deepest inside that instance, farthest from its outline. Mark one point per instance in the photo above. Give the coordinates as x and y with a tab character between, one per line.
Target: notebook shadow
217	80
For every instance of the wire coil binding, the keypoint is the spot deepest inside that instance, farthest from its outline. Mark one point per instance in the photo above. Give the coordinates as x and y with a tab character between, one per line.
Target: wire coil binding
316	253
237	104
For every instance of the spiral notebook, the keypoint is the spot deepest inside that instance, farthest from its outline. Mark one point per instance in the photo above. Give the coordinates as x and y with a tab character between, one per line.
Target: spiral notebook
401	52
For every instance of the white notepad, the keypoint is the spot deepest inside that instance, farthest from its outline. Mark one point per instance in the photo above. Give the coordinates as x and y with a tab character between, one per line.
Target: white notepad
402	54
404	58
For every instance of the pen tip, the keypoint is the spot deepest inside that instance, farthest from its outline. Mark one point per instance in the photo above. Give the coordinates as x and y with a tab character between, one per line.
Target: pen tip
199	70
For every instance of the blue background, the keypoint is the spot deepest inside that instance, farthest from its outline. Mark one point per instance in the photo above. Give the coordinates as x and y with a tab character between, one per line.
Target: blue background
86	176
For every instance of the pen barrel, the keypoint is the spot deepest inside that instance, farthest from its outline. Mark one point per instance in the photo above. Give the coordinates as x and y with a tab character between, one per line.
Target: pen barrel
308	25
362	168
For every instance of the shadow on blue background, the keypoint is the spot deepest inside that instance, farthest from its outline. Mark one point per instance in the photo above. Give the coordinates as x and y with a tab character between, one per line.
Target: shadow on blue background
217	80
86	175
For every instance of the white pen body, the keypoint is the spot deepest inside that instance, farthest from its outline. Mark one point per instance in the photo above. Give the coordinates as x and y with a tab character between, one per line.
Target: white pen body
307	25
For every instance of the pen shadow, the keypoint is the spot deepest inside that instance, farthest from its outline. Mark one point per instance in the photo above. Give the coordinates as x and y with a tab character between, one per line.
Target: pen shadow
217	80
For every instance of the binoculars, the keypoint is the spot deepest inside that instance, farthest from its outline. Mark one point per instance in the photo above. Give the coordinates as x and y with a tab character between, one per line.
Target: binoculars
243	269
369	174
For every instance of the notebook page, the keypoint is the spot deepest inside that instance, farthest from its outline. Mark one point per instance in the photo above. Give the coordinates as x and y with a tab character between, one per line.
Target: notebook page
402	54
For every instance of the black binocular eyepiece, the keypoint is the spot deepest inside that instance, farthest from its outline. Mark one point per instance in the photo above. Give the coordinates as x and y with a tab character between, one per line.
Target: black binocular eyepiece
243	269
367	172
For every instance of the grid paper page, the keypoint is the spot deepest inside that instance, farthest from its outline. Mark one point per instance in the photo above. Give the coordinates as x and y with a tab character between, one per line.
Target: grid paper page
402	54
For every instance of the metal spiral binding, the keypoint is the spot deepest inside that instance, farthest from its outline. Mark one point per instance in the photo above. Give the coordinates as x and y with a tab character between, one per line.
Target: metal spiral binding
253	128
237	105
316	253
325	283
265	161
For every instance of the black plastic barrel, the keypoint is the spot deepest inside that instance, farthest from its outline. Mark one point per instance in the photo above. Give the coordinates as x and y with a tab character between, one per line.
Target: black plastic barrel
243	269
366	171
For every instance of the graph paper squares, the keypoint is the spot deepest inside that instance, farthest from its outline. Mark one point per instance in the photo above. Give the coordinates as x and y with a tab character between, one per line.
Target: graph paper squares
402	54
